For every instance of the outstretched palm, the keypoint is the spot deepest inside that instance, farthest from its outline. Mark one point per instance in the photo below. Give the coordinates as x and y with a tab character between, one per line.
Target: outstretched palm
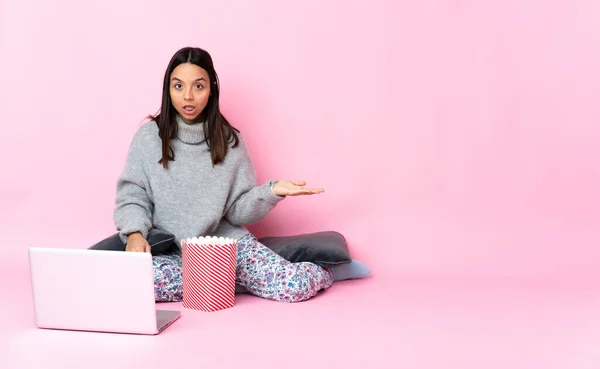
294	188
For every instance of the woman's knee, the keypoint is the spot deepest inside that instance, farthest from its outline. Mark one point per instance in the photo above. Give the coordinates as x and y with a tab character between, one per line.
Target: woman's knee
168	280
297	287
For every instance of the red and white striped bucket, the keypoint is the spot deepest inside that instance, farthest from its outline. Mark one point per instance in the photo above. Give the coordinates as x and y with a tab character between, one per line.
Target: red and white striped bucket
208	268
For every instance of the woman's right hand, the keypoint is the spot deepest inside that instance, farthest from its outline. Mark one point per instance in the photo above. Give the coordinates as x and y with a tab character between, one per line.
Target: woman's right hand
137	243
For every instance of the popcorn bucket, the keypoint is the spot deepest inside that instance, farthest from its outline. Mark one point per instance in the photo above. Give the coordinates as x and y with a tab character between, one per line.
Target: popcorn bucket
208	268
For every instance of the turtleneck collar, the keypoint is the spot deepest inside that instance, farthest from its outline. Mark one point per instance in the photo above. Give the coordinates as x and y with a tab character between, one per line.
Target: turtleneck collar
190	133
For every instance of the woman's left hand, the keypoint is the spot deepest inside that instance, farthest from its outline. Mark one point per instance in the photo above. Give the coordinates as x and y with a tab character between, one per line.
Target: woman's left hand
294	188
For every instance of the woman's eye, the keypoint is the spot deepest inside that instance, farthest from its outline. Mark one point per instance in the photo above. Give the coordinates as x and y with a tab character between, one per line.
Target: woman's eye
178	85
199	86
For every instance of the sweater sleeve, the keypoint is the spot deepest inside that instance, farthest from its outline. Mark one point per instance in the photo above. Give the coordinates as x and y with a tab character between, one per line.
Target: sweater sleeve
249	203
133	211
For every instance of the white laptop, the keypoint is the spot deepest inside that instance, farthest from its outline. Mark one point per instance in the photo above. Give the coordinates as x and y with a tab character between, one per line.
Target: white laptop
96	291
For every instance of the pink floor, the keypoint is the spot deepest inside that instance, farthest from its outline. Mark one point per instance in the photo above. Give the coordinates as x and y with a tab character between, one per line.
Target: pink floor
382	322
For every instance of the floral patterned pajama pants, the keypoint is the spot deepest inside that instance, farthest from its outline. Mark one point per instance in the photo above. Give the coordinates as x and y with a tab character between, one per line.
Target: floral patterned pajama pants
259	270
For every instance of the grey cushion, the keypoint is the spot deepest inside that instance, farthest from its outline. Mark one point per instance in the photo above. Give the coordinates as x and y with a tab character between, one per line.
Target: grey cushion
325	248
160	242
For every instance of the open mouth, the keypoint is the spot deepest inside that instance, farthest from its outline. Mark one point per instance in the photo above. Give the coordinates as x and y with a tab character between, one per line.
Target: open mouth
189	109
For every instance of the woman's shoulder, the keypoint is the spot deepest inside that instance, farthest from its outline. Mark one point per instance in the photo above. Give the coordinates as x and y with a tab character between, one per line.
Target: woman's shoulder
240	153
147	132
145	139
148	128
238	146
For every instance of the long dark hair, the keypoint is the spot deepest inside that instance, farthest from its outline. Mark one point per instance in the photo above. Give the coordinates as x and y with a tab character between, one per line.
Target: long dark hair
217	130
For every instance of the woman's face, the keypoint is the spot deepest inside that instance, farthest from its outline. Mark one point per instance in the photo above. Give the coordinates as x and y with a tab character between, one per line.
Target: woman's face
189	89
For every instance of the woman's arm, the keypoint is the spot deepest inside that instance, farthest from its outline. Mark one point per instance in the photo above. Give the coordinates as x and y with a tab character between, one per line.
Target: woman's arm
249	203
133	211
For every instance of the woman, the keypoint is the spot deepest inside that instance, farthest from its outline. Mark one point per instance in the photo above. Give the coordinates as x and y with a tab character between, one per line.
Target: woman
188	172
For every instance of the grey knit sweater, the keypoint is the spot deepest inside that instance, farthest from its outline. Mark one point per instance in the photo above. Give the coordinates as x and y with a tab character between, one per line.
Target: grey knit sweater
190	198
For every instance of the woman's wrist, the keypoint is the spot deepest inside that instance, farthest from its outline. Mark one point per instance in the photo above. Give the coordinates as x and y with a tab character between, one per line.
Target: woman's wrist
273	183
134	235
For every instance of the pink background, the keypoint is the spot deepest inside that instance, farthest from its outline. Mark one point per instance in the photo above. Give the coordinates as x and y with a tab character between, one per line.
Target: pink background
453	138
457	141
